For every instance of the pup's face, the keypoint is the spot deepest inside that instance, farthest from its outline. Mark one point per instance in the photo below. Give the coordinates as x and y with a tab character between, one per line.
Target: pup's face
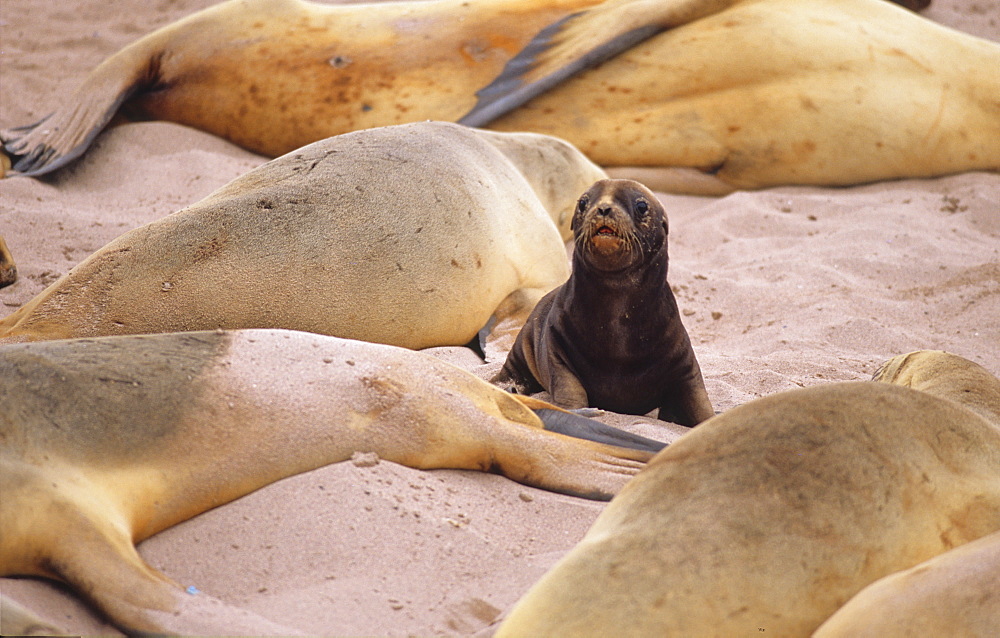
618	223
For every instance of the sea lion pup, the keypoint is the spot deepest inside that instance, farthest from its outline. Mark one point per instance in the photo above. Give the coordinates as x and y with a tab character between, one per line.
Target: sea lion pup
954	594
8	269
771	516
104	442
411	235
611	336
272	75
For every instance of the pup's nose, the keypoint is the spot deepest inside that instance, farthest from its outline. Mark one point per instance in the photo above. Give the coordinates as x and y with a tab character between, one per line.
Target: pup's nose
604	210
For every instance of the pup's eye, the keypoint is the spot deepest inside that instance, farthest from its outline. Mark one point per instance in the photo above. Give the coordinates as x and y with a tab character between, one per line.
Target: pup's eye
582	205
642	207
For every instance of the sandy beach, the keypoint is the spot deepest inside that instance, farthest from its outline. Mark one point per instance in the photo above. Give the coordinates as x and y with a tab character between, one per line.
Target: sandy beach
781	288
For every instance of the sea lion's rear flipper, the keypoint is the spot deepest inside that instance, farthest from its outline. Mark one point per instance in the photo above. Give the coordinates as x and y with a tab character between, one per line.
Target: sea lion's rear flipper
581	427
59	525
141	600
570	423
64	135
558	463
15	620
8	269
578	42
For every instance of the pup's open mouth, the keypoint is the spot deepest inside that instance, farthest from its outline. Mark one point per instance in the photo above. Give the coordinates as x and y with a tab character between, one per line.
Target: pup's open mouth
605	239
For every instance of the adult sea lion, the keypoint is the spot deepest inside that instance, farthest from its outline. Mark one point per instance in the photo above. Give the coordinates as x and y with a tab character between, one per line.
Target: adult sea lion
954	594
708	95
104	442
771	516
411	235
611	336
8	269
945	375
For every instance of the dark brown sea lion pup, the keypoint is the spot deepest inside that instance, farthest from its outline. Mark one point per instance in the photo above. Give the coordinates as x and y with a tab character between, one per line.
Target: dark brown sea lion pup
105	442
611	336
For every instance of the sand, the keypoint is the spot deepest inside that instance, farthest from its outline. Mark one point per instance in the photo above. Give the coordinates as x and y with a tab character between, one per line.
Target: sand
781	288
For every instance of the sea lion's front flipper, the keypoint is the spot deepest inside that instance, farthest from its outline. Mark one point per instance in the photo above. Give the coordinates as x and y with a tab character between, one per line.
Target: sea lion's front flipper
498	335
578	42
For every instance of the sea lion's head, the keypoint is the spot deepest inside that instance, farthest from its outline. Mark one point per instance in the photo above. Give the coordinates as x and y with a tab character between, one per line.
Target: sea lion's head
948	376
618	224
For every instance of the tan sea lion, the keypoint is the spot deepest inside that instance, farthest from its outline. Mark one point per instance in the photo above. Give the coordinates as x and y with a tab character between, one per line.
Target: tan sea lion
945	375
8	269
611	337
954	594
702	95
771	516
104	442
411	235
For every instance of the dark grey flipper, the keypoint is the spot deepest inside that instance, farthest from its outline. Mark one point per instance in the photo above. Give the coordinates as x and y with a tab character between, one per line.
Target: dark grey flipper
583	428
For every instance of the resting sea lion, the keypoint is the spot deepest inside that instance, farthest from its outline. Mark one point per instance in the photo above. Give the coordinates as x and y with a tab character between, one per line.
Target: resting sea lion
411	235
8	269
945	375
701	92
105	442
611	336
771	516
954	594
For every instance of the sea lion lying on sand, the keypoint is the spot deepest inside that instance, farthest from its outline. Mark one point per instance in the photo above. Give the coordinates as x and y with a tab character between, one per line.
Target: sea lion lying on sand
105	442
771	516
954	594
413	235
703	96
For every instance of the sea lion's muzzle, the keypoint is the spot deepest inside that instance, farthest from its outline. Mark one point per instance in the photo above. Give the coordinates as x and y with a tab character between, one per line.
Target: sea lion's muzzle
606	233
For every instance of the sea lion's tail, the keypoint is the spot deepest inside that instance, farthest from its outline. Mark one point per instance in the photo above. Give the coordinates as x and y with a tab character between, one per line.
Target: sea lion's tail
64	135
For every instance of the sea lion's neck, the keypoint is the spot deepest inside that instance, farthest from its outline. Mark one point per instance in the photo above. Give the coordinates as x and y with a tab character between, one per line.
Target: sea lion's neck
639	294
